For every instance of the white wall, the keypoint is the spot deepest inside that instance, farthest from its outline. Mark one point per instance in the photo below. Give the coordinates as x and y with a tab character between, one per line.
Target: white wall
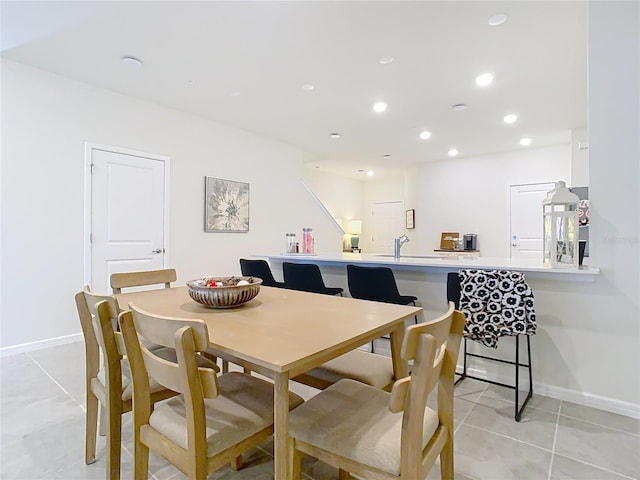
471	195
341	196
46	119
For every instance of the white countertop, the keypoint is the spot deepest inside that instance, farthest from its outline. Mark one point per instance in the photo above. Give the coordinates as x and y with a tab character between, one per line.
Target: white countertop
451	261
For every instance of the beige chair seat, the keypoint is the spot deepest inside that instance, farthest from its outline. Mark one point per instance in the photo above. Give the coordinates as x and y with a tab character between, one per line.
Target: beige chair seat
370	368
339	421
243	407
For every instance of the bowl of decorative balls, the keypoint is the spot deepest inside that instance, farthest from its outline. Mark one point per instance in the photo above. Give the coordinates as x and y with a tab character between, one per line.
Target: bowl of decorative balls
224	292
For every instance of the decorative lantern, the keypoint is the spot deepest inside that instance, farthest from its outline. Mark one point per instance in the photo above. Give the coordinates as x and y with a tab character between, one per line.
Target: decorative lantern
560	214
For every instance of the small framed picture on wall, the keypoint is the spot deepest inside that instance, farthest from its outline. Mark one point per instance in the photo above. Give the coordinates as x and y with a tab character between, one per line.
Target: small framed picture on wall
410	221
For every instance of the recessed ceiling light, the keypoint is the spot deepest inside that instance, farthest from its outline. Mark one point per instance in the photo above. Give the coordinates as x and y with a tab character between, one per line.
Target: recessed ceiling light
387	59
453	152
334	135
307	87
132	62
360	170
484	80
497	19
191	82
525	142
370	173
317	166
379	107
387	156
425	135
511	118
458	107
234	94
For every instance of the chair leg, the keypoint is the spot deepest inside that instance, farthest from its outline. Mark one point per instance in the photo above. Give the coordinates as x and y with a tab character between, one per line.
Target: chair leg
114	439
446	460
140	459
464	364
343	475
104	421
91	428
236	463
518	409
296	470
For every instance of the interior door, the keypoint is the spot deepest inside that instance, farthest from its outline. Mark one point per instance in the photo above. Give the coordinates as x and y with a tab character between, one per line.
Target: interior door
387	224
526	219
128	214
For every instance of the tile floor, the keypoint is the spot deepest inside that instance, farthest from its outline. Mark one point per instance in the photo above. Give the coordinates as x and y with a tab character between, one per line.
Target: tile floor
42	432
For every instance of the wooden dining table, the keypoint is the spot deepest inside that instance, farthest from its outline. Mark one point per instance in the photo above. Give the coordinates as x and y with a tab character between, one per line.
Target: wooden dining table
282	333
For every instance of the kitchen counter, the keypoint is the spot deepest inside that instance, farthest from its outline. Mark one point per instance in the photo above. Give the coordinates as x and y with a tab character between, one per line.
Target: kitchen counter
450	261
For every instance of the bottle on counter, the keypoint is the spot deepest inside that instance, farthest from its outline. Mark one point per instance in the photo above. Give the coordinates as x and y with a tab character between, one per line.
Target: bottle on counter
307	240
291	243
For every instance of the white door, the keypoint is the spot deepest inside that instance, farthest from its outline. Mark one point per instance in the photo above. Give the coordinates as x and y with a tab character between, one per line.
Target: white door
128	214
387	224
526	219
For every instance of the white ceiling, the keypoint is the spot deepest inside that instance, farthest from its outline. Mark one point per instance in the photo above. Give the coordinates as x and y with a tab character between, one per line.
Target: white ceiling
243	64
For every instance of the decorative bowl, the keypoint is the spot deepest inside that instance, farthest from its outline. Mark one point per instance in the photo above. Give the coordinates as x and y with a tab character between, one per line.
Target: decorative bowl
227	295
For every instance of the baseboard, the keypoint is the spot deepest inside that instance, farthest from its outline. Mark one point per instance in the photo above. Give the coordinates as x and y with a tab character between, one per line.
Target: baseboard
612	405
39	345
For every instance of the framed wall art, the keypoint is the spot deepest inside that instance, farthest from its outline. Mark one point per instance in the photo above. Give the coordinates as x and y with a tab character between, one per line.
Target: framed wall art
410	220
226	205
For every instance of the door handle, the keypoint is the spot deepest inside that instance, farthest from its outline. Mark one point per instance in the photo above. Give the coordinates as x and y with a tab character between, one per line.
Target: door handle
514	241
158	250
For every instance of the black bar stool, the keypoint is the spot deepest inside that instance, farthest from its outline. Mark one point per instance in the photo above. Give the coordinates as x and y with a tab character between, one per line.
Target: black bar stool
461	294
377	284
260	269
306	277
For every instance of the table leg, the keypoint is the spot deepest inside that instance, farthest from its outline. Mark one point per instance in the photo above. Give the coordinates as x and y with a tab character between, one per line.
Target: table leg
400	369
281	427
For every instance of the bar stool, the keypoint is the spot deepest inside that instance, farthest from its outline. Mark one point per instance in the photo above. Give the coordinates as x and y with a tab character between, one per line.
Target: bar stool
306	277
377	284
260	269
478	295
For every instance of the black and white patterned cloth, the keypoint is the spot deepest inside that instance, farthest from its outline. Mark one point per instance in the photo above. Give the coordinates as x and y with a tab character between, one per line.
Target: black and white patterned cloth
496	303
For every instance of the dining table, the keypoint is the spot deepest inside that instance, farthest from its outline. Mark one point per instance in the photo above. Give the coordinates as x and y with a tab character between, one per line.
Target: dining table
282	333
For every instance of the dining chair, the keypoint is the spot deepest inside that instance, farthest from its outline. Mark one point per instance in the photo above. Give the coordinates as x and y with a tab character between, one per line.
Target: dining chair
377	284
260	269
107	384
380	435
306	277
152	277
144	278
213	420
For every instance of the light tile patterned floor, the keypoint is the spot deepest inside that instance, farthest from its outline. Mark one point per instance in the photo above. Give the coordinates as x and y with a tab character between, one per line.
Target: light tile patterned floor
42	432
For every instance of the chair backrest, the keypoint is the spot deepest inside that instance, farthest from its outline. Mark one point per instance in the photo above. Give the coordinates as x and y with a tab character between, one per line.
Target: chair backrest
139	279
163	331
184	376
453	288
258	268
433	347
372	283
100	331
303	276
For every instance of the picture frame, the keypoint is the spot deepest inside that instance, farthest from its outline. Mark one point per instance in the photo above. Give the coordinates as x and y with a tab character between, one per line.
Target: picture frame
226	206
410	219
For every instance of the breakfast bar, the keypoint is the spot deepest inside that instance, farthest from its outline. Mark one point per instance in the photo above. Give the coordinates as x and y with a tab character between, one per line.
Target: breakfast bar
561	328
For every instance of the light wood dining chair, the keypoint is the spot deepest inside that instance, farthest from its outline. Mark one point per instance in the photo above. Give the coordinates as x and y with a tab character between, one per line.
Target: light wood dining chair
152	277
379	435
213	421
140	279
108	384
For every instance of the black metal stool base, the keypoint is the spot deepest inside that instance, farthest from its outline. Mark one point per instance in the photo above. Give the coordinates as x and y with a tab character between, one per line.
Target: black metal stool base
518	409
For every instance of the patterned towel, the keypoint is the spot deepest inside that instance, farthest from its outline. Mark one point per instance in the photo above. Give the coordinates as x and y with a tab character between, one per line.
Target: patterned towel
496	303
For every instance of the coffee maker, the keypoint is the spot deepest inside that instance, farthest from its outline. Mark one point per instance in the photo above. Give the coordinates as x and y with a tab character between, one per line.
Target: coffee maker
470	241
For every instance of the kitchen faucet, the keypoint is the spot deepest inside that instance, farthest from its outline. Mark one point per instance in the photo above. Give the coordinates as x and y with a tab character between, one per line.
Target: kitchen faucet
398	243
